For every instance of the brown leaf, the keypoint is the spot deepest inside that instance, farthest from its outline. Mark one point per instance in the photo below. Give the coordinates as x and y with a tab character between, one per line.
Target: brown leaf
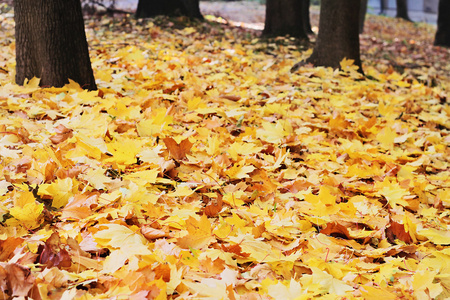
336	229
53	253
178	151
151	233
162	271
62	134
8	246
15	280
231	97
214	206
236	249
398	230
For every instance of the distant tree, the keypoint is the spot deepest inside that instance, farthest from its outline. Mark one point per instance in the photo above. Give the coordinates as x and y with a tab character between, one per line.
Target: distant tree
338	36
402	10
442	37
152	8
362	15
284	17
51	43
383	6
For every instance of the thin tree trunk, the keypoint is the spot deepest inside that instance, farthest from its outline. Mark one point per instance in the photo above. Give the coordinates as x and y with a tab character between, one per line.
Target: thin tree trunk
51	43
383	7
402	10
442	37
284	17
338	36
305	16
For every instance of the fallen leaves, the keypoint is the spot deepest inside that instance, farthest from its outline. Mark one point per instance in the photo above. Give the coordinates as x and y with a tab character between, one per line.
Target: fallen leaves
203	168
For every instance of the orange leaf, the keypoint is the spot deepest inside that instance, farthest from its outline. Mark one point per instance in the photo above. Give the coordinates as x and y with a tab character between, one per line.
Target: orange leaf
399	231
151	233
336	229
214	206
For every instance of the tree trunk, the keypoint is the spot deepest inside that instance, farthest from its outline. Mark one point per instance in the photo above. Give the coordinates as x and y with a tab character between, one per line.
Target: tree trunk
152	8
383	7
284	17
51	43
442	37
305	15
338	36
362	15
193	9
402	10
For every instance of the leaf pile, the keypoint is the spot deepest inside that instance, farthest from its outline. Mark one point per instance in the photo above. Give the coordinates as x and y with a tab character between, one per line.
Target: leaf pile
204	169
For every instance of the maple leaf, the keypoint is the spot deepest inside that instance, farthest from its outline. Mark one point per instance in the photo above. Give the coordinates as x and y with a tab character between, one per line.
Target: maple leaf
327	282
393	192
29	215
126	242
291	291
438	237
376	293
199	234
239	172
60	191
15	280
178	150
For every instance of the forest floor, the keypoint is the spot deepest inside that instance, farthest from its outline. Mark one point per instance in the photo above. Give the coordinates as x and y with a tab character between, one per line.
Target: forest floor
202	168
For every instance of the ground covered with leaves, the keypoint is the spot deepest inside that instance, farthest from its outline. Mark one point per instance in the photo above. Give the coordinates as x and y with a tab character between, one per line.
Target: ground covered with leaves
203	169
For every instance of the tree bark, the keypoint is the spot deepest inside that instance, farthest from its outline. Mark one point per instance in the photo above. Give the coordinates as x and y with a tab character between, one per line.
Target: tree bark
284	17
193	9
338	36
305	15
402	10
51	43
442	37
152	8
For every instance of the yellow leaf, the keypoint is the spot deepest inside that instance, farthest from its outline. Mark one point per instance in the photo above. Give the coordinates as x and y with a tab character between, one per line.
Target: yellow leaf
346	63
392	191
200	234
213	145
329	283
376	293
259	250
244	149
239	171
234	199
29	215
182	190
124	151
60	190
127	243
159	121
423	285
438	237
386	137
143	177
151	155
195	103
97	178
289	291
274	133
